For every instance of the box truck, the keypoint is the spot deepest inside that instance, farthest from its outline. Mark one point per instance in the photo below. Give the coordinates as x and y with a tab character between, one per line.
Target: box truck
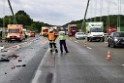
44	31
15	32
94	31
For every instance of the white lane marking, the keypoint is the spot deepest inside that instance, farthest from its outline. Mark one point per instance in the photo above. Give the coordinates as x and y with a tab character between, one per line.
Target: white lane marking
89	48
38	71
76	41
122	65
105	42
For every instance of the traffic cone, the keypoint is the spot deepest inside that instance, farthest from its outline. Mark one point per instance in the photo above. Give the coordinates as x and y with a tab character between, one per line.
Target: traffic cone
108	56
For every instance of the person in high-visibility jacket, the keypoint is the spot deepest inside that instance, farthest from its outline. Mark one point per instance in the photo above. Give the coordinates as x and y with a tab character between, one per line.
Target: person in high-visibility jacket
52	43
62	40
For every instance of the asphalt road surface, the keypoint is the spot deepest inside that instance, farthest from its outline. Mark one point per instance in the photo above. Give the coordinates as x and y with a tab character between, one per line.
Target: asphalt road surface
85	63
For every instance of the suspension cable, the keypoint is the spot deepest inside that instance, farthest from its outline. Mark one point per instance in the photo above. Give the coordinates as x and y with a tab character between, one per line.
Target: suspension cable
14	21
83	22
95	11
101	10
3	12
3	18
91	11
119	14
108	17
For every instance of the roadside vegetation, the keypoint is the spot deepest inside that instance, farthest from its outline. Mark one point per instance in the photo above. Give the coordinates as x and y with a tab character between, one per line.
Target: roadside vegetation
110	20
23	18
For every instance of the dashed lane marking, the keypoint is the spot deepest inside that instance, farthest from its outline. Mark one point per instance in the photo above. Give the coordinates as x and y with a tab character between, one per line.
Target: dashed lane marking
76	41
122	65
89	48
44	40
105	42
70	38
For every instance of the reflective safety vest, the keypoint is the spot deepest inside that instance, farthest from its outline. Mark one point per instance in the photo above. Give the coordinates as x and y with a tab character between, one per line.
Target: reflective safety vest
62	35
51	36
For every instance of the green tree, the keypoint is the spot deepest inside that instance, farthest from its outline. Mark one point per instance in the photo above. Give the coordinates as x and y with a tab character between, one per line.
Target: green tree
23	18
1	22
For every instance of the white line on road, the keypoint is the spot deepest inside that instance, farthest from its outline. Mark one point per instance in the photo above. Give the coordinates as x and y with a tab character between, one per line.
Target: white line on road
76	41
105	42
89	48
70	38
38	71
122	65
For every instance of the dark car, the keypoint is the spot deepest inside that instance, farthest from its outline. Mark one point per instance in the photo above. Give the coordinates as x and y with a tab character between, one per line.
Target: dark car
116	39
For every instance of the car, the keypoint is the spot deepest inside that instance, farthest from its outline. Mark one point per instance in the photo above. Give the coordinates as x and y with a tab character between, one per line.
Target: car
80	35
32	34
116	39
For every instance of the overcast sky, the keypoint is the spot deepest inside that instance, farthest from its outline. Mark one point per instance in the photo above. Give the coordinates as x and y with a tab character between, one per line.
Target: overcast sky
59	12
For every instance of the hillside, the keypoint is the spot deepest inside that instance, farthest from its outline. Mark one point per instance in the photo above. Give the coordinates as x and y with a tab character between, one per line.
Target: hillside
23	18
110	20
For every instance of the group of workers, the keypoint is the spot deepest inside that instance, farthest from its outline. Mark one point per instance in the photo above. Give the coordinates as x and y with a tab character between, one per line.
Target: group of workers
62	40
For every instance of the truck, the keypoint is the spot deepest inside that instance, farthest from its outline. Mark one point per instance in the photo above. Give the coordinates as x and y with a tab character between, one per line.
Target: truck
72	29
15	32
44	31
111	29
94	31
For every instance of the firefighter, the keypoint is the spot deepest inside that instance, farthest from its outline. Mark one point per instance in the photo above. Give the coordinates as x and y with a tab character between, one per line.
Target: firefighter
62	40
52	43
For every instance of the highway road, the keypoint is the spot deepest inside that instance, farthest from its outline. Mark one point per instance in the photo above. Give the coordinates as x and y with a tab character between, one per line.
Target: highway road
83	64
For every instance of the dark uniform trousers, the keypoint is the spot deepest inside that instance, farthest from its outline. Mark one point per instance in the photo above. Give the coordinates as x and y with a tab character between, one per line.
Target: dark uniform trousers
53	47
63	44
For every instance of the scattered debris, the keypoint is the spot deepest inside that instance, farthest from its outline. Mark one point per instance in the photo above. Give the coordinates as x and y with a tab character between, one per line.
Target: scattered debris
13	56
18	65
13	67
5	73
19	60
4	60
31	47
45	48
24	65
1	47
